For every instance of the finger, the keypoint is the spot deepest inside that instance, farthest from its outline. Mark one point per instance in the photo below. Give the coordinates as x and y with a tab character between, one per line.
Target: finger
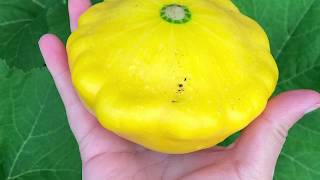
262	141
55	57
76	8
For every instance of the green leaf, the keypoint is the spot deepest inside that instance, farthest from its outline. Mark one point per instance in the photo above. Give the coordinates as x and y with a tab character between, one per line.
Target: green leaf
58	21
293	27
22	22
38	142
300	156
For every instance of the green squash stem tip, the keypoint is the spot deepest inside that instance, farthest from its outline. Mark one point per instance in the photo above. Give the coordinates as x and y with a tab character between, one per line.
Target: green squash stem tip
175	13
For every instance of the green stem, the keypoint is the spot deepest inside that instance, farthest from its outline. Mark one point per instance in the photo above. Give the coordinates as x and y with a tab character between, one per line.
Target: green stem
175	13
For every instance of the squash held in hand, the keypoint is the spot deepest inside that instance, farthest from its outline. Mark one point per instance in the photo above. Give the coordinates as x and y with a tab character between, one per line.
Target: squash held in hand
174	76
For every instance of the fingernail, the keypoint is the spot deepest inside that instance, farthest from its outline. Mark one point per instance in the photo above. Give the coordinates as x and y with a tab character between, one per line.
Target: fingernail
315	107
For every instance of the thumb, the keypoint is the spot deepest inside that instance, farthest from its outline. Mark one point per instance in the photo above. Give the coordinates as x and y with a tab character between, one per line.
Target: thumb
261	142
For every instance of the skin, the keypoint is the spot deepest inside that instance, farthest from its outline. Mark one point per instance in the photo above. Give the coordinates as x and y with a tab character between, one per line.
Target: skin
106	156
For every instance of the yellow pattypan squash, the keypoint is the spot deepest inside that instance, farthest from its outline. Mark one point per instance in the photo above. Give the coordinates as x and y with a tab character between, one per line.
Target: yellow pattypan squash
175	76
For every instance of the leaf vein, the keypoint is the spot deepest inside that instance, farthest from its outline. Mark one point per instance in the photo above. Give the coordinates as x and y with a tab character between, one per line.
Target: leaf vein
38	3
15	21
28	138
299	163
49	152
285	42
308	129
298	74
43	170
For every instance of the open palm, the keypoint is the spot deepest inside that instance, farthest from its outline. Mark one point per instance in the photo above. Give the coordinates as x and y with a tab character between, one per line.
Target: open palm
107	156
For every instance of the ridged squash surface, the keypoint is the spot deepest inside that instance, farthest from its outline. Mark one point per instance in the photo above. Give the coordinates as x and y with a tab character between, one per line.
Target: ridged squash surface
173	87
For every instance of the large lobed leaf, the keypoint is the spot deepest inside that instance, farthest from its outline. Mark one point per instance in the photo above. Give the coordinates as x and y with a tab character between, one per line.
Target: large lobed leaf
35	141
293	27
22	22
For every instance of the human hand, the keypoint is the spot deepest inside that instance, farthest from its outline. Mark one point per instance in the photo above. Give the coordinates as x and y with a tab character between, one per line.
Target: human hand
106	156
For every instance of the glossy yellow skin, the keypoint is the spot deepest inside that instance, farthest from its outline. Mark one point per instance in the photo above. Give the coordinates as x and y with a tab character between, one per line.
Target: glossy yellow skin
173	88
